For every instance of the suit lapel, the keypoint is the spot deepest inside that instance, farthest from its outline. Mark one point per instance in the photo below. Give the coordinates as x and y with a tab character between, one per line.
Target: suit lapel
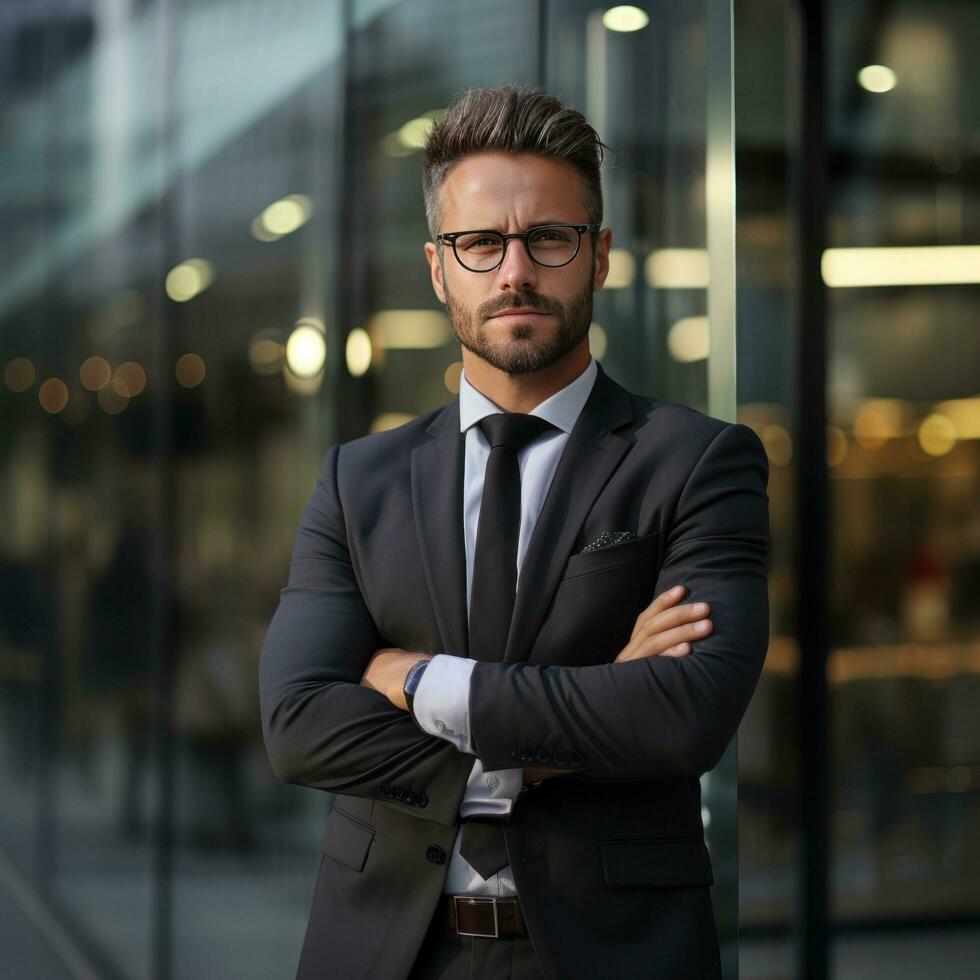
437	499
590	457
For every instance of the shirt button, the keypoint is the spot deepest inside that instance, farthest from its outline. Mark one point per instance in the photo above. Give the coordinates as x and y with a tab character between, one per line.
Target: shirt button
492	782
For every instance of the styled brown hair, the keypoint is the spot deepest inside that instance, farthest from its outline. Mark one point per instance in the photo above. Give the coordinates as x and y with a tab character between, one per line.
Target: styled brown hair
510	119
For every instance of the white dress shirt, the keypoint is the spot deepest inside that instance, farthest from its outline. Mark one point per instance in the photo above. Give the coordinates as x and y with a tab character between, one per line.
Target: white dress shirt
442	698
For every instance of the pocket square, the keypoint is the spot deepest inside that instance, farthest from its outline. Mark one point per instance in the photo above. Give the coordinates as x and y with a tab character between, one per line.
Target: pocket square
607	539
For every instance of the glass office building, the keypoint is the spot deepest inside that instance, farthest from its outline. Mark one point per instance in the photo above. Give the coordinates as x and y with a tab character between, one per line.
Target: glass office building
213	270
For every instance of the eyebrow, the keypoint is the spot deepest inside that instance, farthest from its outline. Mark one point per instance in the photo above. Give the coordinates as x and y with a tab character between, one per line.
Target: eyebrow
535	224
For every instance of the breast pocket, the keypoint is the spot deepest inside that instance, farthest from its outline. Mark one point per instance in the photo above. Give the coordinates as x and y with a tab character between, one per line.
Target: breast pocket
591	562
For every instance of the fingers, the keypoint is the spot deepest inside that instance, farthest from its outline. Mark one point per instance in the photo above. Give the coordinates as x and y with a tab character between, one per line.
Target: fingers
666	599
657	637
650	621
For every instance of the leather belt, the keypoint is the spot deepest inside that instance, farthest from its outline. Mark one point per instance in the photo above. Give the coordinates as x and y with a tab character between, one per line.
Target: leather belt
484	915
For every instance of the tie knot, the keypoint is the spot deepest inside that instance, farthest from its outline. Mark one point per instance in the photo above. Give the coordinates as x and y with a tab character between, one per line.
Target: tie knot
513	429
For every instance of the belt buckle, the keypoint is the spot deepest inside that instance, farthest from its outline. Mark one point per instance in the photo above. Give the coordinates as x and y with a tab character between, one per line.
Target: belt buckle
477	900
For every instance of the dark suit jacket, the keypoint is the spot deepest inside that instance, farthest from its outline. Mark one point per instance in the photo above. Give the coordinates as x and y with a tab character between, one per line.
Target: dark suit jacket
609	861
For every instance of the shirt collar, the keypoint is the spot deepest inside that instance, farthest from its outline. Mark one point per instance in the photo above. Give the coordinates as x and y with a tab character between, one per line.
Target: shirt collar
561	409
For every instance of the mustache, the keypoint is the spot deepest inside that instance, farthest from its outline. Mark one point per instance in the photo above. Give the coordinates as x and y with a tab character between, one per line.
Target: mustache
541	303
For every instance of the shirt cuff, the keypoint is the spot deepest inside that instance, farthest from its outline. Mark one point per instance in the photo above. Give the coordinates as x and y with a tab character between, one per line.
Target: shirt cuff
442	700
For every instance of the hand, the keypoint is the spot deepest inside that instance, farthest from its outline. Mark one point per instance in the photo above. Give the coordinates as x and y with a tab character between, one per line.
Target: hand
662	630
386	672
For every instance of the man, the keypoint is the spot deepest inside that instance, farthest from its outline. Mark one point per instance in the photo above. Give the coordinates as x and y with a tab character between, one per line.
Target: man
466	651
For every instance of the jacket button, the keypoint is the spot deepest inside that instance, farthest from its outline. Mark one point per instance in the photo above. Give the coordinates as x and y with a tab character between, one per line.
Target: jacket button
423	799
543	756
436	854
576	758
560	758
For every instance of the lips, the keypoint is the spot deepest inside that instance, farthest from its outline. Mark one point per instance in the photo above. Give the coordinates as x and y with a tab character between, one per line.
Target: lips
521	311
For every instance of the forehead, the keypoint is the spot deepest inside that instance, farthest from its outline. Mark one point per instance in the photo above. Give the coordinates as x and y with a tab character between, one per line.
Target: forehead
510	191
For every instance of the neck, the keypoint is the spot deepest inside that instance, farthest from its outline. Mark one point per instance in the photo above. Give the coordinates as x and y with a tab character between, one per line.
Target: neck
524	392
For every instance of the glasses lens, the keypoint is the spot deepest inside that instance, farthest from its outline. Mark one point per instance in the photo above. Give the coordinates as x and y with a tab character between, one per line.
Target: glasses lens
479	250
553	246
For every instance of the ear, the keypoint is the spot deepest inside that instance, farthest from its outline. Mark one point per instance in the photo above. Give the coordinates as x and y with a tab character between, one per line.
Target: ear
601	265
435	271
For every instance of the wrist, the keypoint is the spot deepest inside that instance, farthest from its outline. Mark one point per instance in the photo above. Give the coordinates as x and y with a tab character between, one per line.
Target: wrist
410	683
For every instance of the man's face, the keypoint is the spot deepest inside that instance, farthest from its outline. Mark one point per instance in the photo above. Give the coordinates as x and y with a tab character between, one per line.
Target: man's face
511	193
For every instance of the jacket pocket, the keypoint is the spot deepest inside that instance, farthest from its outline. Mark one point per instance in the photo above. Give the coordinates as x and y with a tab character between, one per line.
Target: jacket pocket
618	554
678	862
347	839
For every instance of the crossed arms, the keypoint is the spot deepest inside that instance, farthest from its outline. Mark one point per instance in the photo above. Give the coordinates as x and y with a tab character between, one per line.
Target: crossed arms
646	718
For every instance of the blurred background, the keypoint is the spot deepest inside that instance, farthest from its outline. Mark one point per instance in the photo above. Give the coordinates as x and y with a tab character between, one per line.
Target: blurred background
212	270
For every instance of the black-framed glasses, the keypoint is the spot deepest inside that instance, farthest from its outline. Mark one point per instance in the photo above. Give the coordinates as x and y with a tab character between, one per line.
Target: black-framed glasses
549	245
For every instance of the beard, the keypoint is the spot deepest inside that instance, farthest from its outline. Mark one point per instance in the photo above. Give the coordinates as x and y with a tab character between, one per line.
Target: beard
523	352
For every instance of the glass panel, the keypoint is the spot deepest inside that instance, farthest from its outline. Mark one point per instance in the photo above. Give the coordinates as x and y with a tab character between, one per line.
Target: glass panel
258	104
903	407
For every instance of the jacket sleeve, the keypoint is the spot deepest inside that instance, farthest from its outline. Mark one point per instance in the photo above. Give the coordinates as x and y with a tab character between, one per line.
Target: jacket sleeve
321	727
660	716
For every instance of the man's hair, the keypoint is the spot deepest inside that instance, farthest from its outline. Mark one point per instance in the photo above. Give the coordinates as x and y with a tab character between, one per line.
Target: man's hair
510	119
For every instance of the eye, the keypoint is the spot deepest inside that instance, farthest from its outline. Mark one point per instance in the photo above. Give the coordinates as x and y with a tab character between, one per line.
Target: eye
550	235
478	242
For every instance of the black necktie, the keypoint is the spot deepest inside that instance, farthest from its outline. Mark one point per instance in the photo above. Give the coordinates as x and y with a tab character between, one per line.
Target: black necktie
493	589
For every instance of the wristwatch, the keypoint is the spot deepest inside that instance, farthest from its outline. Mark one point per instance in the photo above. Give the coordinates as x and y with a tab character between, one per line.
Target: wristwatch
412	679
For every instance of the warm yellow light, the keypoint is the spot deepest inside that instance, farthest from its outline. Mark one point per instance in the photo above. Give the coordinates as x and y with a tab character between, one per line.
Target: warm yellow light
129	379
358	352
391	145
677	268
877	78
19	374
186	280
451	376
189	370
282	217
410	136
306	351
836	445
778	443
936	435
390	420
879	419
964	413
410	329
688	340
598	341
95	373
413	134
260	232
265	351
53	395
624	18
913	266
111	401
305	387
622	269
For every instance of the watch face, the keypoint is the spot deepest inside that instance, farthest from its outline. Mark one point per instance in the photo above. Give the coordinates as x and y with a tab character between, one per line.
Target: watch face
414	676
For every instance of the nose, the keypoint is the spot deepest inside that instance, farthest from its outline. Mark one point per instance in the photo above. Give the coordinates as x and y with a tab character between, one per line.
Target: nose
516	270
